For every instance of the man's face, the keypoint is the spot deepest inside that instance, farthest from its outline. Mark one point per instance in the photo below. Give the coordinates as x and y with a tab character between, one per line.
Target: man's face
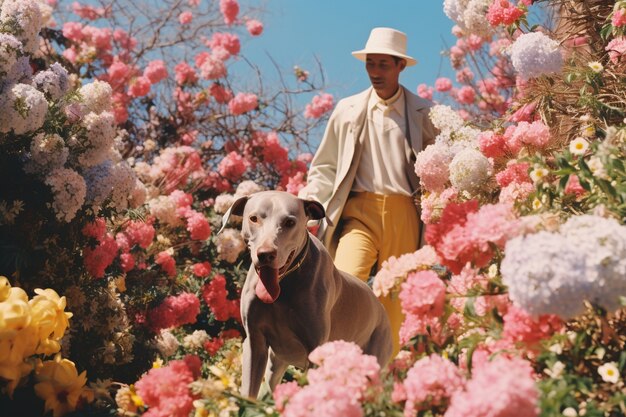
384	73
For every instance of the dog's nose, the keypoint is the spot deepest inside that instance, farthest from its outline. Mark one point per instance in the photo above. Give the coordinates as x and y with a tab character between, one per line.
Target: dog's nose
266	255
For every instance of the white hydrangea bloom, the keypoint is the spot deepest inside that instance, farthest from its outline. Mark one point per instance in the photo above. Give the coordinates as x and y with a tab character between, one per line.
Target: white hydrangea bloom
69	191
96	146
223	203
535	54
245	188
469	170
553	272
229	245
123	182
164	209
20	73
22	109
196	340
166	343
10	50
454	9
24	17
475	18
47	152
54	81
96	96
99	185
445	118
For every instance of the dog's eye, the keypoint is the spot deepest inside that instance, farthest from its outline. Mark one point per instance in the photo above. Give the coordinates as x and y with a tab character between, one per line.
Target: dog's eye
289	223
253	219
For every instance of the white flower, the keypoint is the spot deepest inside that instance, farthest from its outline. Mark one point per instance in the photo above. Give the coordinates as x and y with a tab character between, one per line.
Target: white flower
196	340
95	146
469	170
556	370
223	203
24	19
570	412
69	191
609	372
166	343
96	96
535	54
538	174
445	118
578	146
596	66
246	188
47	152
10	50
54	81
596	166
229	245
22	109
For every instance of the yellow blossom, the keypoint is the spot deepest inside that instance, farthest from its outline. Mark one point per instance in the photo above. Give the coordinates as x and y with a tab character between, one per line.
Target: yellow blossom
157	363
60	386
5	288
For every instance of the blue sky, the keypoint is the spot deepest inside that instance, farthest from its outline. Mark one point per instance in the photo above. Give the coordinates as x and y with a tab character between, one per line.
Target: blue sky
297	31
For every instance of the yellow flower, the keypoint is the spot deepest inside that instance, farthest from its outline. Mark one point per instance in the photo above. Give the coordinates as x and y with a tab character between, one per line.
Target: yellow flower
5	288
137	400
157	363
578	146
50	319
588	131
60	386
609	372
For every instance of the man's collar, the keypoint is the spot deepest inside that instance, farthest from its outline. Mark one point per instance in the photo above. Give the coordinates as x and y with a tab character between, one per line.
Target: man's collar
396	101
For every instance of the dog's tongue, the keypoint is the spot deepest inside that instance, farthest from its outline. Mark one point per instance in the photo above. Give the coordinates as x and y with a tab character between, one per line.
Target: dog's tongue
267	288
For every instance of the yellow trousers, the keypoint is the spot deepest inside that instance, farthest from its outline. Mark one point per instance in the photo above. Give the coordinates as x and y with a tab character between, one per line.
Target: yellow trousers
374	228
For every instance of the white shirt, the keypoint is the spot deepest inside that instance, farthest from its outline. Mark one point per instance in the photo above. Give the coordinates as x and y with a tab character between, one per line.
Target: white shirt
382	166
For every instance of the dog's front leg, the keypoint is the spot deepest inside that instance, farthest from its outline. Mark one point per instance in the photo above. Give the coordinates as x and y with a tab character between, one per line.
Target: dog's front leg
254	361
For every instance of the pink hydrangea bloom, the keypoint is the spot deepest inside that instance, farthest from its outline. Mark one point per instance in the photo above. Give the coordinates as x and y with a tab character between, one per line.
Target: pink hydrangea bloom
443	84
185	18
423	294
616	48
95	229
466	95
202	269
283	392
243	103
521	327
215	295
425	91
166	390
619	18
433	204
155	71
232	166
515	192
535	134
255	27
89	12
119	73
432	167
474	42
524	114
295	183
197	225
221	94
99	258
139	87
491	144
227	42
395	270
465	75
230	10
73	31
503	12
515	172
175	310
185	74
320	105
325	399
182	199
344	364
420	325
211	67
469	279
430	382
501	388
167	263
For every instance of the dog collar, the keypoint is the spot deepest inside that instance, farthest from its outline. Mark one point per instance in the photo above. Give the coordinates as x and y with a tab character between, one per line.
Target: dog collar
299	259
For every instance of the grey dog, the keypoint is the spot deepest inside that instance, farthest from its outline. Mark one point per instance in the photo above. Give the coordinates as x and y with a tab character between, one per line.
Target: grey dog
294	299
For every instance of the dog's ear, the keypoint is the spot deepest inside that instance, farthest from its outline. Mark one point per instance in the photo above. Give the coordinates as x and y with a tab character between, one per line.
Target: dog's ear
314	209
236	209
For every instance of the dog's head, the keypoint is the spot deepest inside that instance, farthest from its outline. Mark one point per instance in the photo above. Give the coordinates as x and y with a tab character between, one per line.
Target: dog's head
275	227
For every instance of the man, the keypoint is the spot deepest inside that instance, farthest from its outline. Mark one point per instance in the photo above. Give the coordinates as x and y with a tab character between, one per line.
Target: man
363	171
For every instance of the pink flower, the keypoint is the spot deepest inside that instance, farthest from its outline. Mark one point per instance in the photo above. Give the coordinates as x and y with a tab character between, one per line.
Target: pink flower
215	295
232	166
185	18
423	294
503	12
295	183
515	192
255	28
139	87
227	42
126	42
474	42
466	95
492	145
167	263
188	138
243	103
524	113
616	48
425	91
166	390
573	186
155	71
210	66
119	73
201	270
431	382
174	311
320	105
127	261
99	258
443	84
221	94
283	393
89	12
73	31
432	167
535	134
230	10
324	399
514	173
193	3
521	327
619	18
185	74
501	388
197	225
96	229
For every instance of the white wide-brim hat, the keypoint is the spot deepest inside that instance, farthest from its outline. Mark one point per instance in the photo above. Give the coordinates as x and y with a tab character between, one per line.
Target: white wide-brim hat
385	41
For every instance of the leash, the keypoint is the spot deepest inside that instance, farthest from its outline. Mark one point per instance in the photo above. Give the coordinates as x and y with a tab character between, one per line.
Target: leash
299	259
